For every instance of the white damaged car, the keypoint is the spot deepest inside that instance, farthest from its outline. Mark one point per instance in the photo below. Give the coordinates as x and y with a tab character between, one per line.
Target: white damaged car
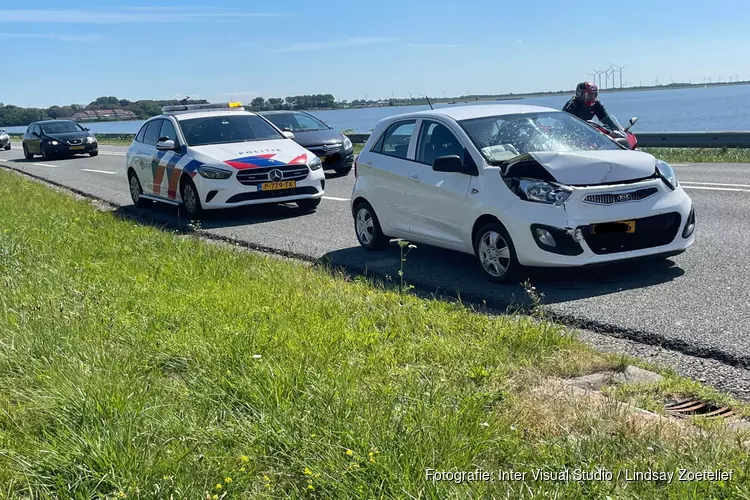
516	186
211	156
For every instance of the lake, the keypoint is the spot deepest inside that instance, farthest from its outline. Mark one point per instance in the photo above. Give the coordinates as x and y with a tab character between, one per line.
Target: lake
690	109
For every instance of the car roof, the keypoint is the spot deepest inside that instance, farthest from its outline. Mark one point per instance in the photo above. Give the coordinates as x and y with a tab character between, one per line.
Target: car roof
53	121
476	111
205	114
281	111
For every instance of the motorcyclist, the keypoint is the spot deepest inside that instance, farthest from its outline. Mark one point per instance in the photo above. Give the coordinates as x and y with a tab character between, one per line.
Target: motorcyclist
585	105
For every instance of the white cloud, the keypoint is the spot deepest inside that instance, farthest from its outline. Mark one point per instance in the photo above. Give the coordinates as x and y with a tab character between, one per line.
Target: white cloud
126	16
349	42
519	42
52	36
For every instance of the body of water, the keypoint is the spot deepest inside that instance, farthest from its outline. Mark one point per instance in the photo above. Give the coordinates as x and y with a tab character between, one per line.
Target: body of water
691	109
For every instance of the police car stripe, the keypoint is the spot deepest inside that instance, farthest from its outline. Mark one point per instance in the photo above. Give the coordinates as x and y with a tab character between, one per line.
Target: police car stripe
161	167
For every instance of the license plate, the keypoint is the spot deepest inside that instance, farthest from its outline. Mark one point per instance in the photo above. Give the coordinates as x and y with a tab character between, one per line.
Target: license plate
273	186
623	226
76	148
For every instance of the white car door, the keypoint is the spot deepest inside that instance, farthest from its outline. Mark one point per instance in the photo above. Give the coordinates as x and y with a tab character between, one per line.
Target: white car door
437	201
388	166
149	157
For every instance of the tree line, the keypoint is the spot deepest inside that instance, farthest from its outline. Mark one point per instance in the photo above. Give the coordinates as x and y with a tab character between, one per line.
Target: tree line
12	116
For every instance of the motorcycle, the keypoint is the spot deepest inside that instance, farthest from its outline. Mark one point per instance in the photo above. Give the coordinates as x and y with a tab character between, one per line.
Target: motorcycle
622	135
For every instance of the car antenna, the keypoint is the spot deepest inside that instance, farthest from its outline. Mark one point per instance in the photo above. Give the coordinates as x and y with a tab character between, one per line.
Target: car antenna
428	102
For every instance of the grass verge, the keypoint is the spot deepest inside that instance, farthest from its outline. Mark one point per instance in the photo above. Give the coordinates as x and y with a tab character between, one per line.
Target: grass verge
136	363
696	155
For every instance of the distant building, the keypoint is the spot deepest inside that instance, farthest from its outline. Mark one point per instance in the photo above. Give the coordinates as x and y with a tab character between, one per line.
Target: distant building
103	115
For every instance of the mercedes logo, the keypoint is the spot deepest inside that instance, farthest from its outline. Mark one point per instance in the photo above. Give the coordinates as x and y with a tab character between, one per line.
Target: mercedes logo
276	175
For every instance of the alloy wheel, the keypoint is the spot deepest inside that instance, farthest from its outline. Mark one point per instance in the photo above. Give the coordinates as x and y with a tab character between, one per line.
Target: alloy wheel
365	226
494	254
135	189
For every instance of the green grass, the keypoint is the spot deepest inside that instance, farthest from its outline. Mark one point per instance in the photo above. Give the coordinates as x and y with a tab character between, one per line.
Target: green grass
696	155
137	363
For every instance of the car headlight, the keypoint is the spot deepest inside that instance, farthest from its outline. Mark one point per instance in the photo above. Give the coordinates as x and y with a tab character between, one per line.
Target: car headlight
214	173
316	164
347	143
544	192
90	139
666	172
54	143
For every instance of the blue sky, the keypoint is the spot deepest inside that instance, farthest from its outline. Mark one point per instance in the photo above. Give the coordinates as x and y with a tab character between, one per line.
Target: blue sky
237	49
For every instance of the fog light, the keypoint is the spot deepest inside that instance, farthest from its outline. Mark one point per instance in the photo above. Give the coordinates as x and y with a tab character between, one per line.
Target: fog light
690	225
545	237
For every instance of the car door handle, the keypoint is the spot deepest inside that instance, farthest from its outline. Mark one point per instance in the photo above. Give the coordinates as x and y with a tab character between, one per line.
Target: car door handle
414	178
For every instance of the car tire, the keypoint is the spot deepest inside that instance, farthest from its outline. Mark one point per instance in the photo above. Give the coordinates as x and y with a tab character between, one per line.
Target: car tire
26	153
496	253
7	147
94	153
308	203
343	170
191	200
45	154
136	191
367	228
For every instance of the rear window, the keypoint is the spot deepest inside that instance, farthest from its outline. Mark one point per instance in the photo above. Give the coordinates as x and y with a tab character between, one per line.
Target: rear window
396	139
227	129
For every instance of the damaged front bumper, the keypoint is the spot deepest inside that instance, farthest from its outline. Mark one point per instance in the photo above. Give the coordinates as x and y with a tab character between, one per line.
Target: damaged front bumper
580	232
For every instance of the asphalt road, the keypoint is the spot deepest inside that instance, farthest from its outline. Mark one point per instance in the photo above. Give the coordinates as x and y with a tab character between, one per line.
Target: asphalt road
697	303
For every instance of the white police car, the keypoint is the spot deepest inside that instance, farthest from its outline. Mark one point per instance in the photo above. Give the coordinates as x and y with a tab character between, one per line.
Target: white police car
211	156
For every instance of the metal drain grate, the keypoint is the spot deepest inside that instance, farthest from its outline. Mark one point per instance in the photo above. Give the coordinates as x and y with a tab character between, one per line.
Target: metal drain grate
690	407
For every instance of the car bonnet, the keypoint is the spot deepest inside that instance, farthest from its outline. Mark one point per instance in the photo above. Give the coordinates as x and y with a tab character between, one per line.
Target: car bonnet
259	154
597	167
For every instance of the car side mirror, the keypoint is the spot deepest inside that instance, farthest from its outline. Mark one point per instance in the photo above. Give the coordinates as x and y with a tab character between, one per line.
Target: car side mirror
165	144
35	134
288	134
632	122
449	163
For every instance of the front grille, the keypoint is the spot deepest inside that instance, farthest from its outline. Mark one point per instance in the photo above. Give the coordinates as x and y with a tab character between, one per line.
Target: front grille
280	193
75	142
325	150
649	232
623	197
253	176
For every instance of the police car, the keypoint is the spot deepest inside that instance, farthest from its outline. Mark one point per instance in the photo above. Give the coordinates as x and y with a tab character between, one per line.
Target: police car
212	156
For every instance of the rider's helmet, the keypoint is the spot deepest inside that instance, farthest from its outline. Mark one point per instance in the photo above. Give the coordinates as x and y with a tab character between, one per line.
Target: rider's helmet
587	93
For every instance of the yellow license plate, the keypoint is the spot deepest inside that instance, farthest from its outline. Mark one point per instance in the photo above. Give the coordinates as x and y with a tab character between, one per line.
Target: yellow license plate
623	226
273	186
75	148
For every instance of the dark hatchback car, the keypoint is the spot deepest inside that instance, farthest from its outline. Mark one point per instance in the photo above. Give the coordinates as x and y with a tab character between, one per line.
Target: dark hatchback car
335	150
52	138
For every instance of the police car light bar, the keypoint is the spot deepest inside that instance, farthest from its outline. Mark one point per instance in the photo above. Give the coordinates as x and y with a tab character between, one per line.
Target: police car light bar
188	107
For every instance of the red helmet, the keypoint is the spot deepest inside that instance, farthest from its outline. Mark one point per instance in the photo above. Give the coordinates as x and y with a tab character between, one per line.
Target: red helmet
587	93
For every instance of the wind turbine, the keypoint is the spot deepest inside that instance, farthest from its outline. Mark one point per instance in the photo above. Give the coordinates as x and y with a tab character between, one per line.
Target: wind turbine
443	93
620	68
600	73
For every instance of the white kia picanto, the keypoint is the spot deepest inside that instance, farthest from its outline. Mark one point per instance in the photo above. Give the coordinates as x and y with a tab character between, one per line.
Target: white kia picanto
516	186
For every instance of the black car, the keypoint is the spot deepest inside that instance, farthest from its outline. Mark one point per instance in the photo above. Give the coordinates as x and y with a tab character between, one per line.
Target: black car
52	138
334	149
